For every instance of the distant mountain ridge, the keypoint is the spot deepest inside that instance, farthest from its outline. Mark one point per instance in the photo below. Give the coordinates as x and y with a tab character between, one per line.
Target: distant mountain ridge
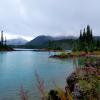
40	40
17	41
43	39
57	42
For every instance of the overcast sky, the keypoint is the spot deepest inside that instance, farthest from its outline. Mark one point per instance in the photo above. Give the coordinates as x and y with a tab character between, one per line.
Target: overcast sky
30	18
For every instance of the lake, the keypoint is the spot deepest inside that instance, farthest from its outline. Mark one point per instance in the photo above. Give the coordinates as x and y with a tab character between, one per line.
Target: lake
18	68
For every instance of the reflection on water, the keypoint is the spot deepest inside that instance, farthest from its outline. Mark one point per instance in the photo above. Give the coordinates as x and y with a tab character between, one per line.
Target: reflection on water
18	68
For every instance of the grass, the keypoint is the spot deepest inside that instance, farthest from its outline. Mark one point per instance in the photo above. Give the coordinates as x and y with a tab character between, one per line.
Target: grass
41	86
23	93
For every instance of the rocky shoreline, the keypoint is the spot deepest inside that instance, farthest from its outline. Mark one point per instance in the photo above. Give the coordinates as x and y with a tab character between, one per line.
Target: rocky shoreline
82	84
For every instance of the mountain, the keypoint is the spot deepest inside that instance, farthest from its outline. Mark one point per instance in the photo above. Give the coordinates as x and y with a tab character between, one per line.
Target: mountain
40	40
44	39
49	42
18	41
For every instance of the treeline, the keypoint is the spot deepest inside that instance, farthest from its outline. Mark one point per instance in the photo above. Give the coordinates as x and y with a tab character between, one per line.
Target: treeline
64	44
86	42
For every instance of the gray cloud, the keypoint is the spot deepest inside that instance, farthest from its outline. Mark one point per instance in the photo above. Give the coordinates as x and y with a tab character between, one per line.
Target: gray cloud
50	17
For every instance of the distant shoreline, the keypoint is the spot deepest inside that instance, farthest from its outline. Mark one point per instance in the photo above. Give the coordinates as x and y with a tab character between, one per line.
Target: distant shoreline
43	50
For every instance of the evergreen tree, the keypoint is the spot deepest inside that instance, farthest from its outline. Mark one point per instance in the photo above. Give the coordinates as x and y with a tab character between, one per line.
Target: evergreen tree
80	38
86	42
1	37
88	32
80	42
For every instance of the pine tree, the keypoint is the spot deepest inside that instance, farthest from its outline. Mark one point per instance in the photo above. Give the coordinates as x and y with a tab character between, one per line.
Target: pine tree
80	38
80	42
86	41
1	37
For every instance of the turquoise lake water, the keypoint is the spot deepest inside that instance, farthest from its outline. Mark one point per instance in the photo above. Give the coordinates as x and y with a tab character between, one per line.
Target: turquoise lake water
18	68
